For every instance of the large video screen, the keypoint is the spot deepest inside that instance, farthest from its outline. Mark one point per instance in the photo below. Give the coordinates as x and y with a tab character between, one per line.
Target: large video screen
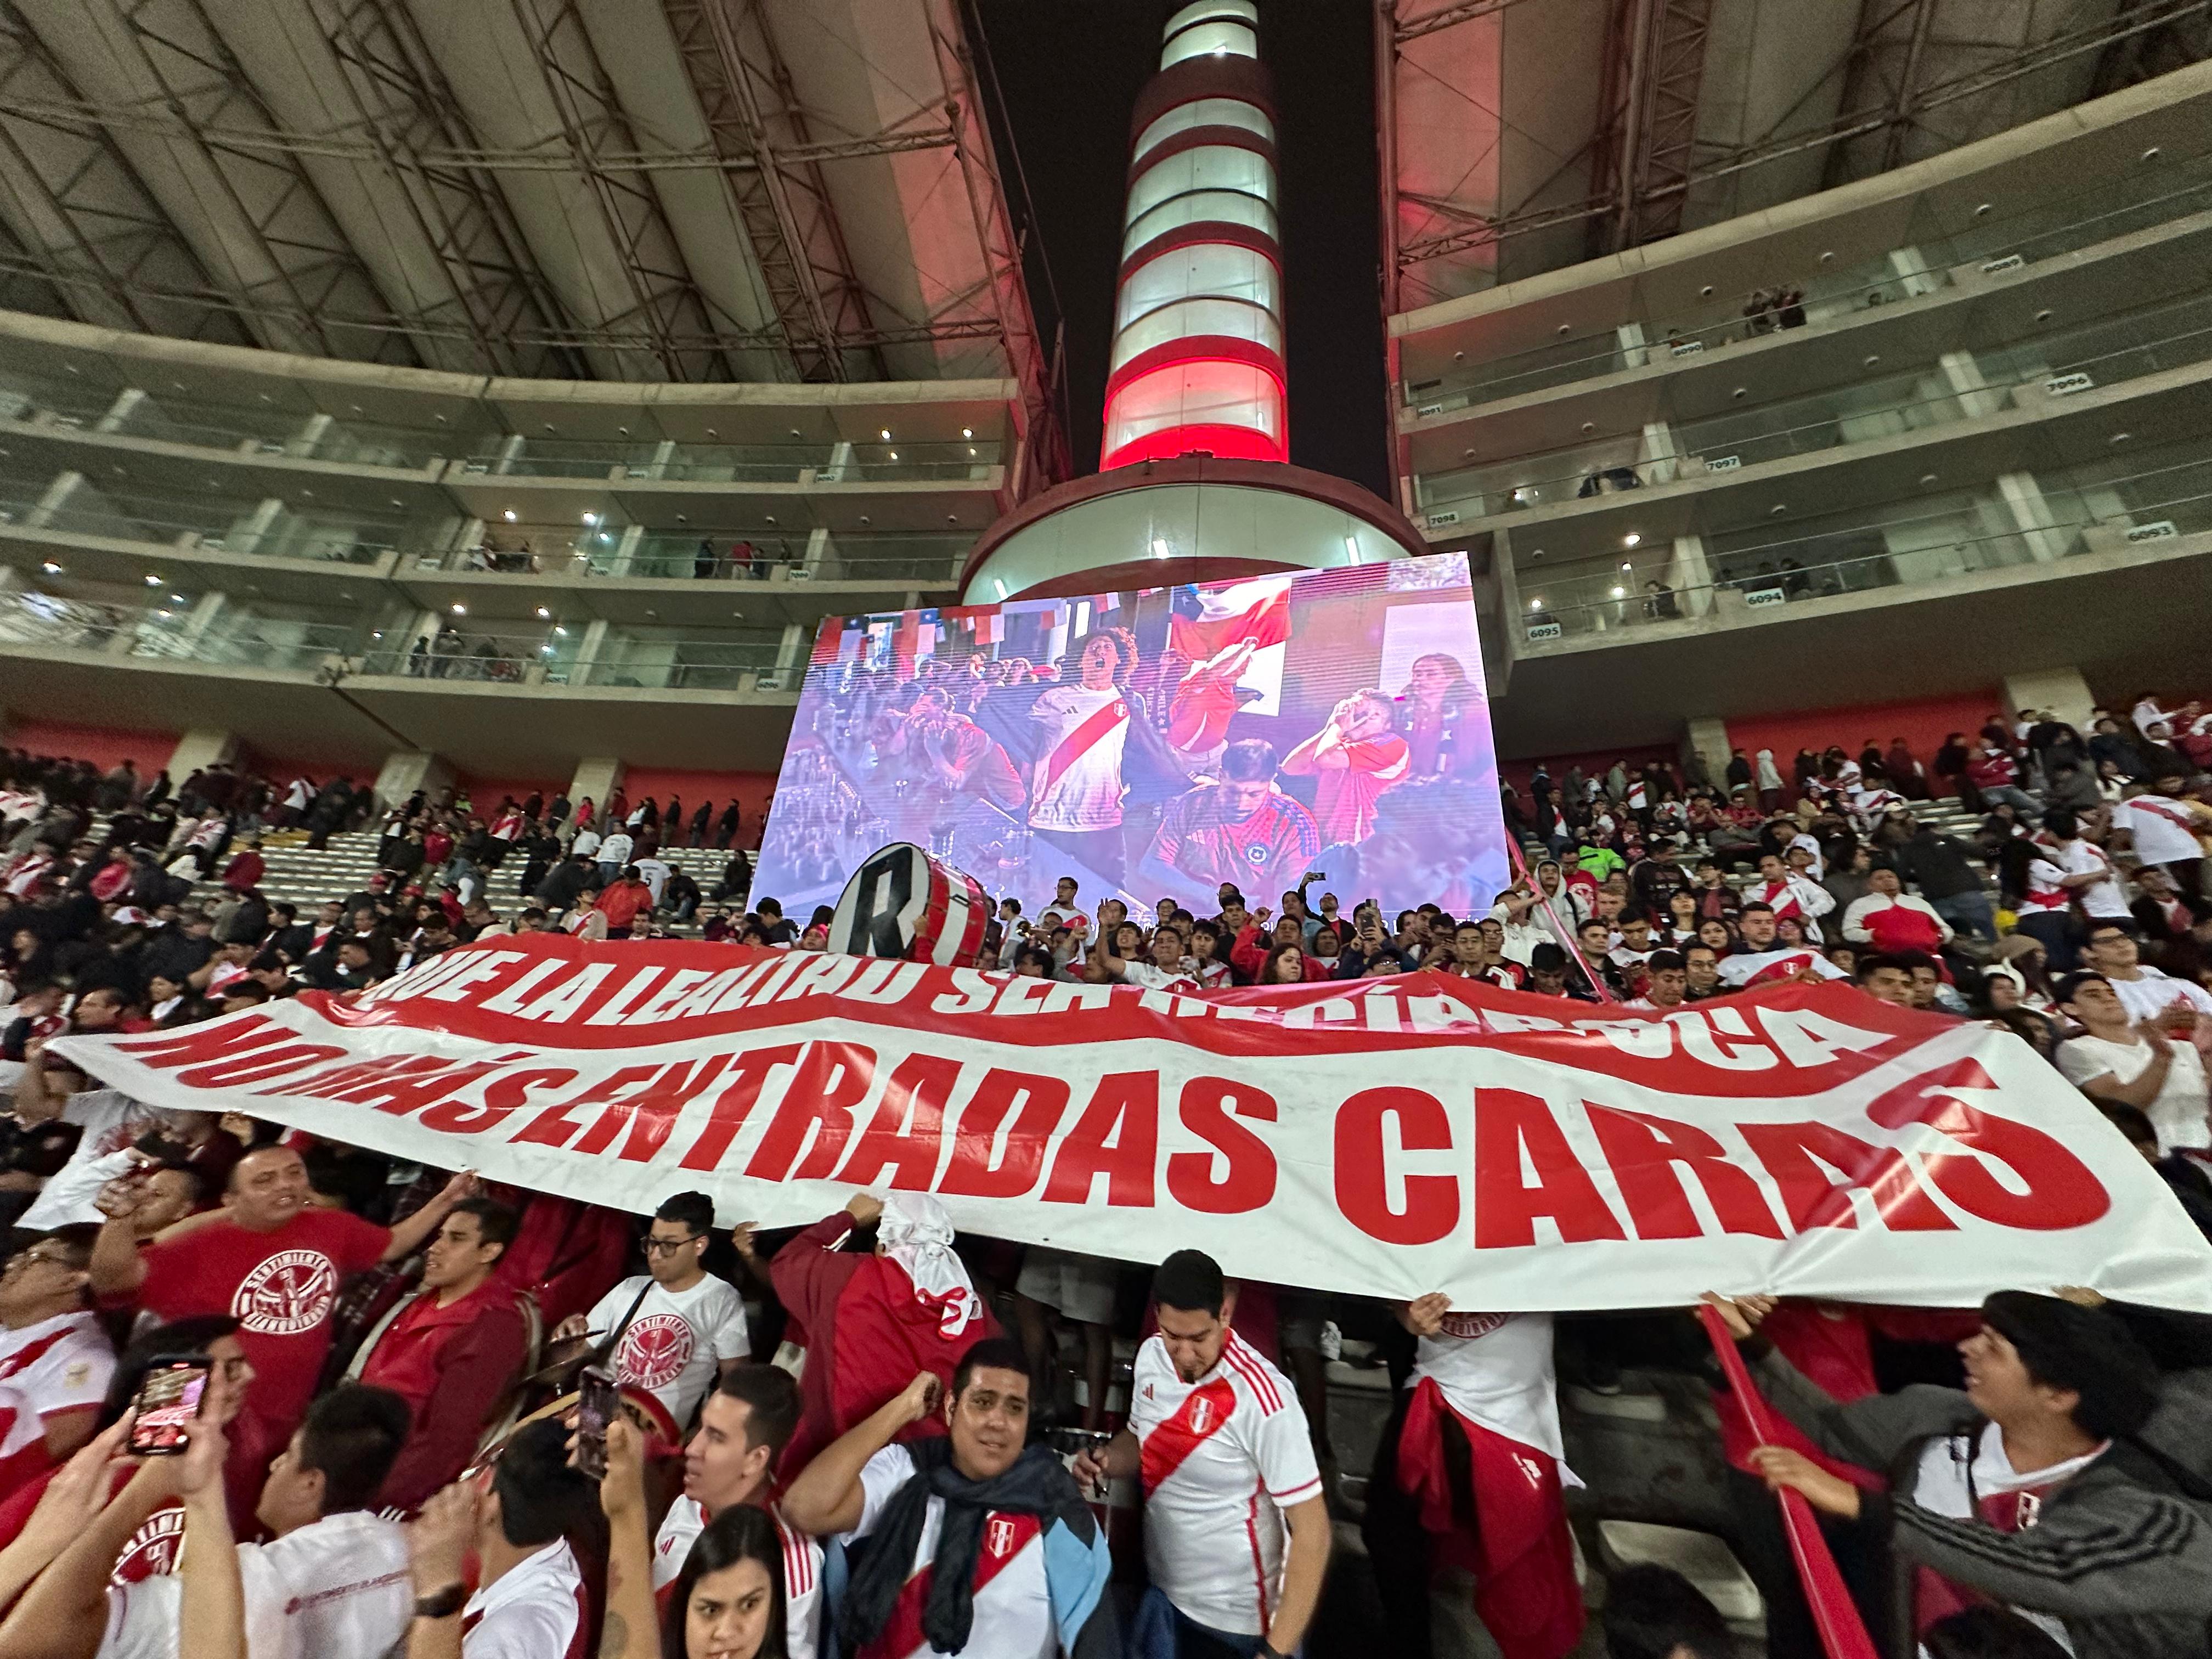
1156	745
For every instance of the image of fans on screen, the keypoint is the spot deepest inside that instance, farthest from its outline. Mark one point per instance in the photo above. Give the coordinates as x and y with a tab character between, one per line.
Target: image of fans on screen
1157	746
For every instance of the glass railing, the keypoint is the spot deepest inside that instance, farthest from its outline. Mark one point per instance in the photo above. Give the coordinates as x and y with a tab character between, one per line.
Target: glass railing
214	525
235	640
760	555
237	637
255	429
2092	510
2156	193
558	656
735	464
259	430
2100	354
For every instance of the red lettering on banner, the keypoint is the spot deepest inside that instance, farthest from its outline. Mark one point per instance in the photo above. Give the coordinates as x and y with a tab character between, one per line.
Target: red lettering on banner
399	1093
196	1044
971	1174
1507	1121
735	1104
503	1096
652	1111
833	1078
921	1086
554	1126
1641	1151
259	1066
1813	1200
2061	1192
1362	1184
339	1080
1248	1182
1118	1136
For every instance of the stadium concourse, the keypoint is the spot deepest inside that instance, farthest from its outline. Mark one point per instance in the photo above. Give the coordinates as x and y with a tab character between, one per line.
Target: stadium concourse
1435	1480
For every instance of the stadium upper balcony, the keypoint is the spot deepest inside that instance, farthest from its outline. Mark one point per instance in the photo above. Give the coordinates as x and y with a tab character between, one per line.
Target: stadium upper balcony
1960	403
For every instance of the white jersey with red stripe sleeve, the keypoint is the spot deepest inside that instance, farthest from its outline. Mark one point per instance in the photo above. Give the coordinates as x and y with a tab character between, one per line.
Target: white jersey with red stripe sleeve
534	1610
1223	1458
802	1570
59	1364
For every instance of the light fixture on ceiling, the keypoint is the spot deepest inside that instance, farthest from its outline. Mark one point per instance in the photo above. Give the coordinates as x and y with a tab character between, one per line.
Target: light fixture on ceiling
1626	565
509	515
1536	604
887	435
1618	592
591	518
894	454
967	431
176	599
1630	539
153	581
459	609
1160	547
543	615
1352	546
1926	478
51	567
562	632
1777	510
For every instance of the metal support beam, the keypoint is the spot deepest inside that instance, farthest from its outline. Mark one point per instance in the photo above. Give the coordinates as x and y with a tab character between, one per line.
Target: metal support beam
306	263
744	91
1908	83
404	105
2029	60
83	218
666	303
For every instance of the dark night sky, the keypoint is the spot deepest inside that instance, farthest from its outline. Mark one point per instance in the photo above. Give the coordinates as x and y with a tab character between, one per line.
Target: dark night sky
1069	73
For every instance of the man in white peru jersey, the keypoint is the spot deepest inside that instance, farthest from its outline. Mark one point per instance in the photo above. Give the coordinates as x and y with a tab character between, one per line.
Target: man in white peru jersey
744	1426
1469	1474
1237	1534
970	1542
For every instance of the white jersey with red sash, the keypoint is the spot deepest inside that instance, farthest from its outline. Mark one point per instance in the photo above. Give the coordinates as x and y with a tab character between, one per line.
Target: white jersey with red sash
1790	897
60	1364
22	1440
1742	967
1492	1373
1078	782
1013	1604
802	1570
1223	1458
535	1610
1965	1478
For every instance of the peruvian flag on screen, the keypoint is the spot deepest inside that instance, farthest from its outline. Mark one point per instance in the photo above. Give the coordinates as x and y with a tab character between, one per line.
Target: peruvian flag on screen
986	623
1234	647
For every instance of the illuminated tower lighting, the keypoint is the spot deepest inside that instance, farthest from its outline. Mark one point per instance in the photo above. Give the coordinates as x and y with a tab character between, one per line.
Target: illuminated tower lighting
1197	358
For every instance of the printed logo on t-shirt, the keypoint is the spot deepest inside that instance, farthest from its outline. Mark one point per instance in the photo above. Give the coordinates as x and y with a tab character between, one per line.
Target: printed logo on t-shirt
655	1349
1472	1324
287	1293
152	1550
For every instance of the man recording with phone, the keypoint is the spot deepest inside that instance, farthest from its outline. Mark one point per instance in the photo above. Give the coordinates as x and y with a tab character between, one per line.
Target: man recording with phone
331	1584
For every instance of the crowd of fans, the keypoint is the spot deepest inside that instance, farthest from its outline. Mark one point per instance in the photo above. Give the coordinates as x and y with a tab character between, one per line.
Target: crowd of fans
872	1435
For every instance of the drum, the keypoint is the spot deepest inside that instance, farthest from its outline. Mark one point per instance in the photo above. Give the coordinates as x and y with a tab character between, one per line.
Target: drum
906	903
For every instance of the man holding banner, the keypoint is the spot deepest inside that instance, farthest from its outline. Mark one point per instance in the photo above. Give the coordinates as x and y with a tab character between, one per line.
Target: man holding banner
2031	1488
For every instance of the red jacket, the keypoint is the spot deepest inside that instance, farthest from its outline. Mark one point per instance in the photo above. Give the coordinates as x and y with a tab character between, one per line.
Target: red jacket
865	1333
1249	955
245	872
452	1365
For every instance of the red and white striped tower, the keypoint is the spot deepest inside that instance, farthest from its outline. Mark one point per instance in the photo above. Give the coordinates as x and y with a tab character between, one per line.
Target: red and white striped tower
1197	359
1195	482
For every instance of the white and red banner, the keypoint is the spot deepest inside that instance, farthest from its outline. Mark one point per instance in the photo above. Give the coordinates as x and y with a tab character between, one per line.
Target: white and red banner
1389	1137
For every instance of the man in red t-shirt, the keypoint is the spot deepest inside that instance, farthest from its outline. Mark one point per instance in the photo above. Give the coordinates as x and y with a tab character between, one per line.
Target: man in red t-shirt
1241	829
271	1262
1355	755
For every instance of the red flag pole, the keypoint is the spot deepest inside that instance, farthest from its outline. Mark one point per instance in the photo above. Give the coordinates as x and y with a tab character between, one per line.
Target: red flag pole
1834	1614
1565	935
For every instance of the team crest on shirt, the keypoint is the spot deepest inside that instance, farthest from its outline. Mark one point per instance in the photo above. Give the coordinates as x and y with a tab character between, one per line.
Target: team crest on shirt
152	1550
1201	1413
77	1375
655	1350
1472	1324
1530	1467
999	1537
287	1293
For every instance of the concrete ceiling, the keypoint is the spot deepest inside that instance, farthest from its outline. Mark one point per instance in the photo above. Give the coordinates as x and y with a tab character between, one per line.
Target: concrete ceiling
687	190
1520	136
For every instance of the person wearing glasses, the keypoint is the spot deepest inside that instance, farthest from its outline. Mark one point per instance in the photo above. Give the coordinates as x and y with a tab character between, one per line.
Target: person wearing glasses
55	1360
681	1329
